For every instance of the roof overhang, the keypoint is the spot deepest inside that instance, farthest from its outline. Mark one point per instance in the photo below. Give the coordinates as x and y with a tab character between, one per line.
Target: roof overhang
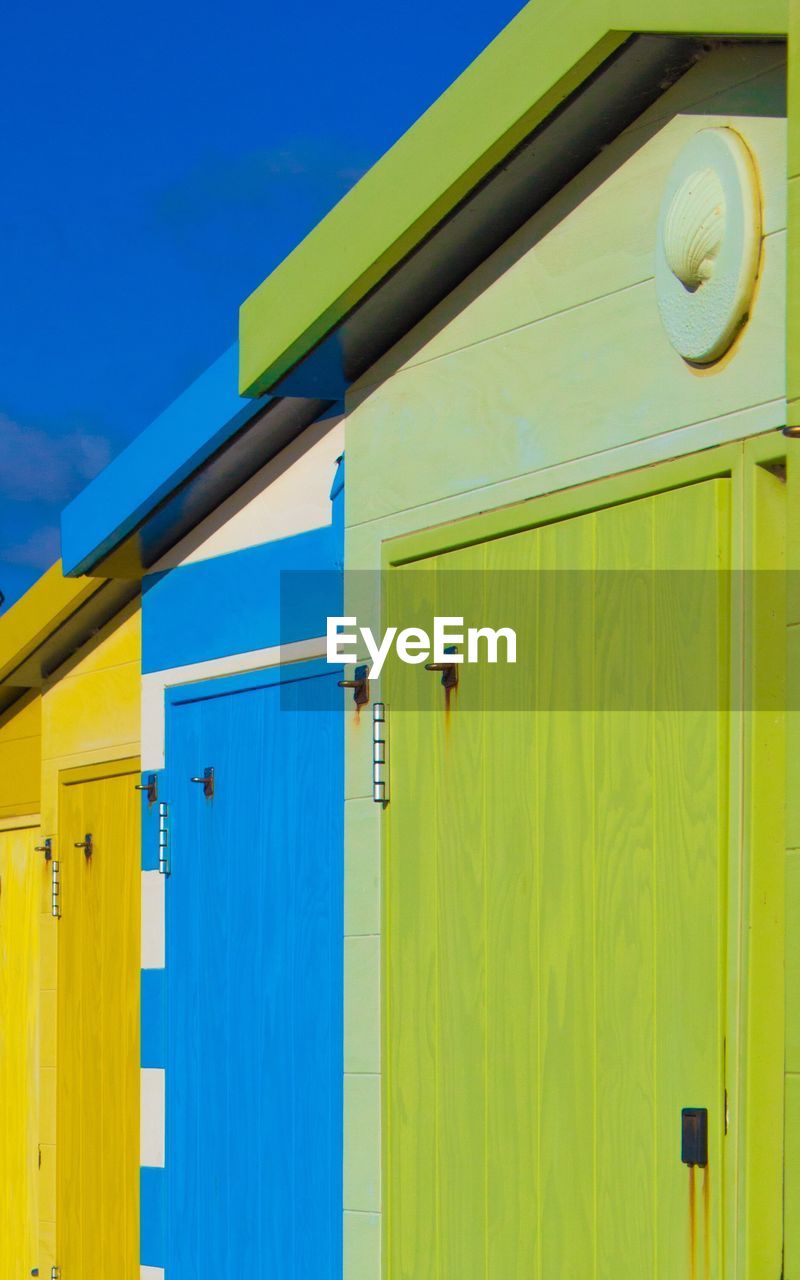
546	96
49	624
182	466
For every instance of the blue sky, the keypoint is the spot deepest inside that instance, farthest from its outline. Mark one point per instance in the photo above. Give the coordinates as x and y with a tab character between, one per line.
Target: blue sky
158	161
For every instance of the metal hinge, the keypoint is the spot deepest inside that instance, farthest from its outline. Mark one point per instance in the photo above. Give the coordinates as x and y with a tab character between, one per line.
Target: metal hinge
163	838
55	888
380	738
55	1273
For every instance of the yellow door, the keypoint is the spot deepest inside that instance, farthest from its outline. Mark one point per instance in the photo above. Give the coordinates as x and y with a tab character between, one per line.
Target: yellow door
97	1157
19	1077
555	907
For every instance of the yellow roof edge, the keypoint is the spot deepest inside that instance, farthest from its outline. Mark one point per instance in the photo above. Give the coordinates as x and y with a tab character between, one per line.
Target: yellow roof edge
39	613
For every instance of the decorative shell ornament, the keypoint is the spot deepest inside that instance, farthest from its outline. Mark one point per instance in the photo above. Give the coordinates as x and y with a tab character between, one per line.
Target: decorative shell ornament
709	244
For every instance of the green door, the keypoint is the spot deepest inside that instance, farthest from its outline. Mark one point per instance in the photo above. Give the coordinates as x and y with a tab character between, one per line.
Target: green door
555	908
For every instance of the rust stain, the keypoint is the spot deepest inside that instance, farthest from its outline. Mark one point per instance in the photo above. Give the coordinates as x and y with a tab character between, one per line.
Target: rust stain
692	1224
450	703
706	1223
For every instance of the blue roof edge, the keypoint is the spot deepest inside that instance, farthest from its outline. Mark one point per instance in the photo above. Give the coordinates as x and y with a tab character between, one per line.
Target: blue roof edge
159	459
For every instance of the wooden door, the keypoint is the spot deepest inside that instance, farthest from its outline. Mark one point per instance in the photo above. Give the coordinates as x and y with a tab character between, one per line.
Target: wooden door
97	1152
20	868
555	908
254	978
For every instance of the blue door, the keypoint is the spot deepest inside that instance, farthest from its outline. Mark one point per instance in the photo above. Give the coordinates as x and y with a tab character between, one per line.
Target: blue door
254	978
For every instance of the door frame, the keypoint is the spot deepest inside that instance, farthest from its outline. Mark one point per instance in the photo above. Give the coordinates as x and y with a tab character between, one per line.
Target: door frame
288	671
239	682
753	941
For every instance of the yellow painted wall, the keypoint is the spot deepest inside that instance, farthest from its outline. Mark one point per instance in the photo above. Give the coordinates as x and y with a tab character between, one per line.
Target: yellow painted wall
90	715
20	756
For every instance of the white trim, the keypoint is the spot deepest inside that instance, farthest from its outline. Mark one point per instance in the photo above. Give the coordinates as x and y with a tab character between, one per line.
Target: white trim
151	1273
153	926
21	823
152	1122
155	683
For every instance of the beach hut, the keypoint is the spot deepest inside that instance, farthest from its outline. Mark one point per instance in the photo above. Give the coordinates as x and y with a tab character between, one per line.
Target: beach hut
557	311
229	511
69	928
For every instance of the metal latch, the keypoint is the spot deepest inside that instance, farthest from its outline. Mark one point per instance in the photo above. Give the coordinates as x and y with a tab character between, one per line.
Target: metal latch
151	787
55	888
46	848
449	670
86	844
380	779
359	684
163	838
207	779
694	1136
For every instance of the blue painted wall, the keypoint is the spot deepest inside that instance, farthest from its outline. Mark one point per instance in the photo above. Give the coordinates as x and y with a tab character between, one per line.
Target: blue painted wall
275	593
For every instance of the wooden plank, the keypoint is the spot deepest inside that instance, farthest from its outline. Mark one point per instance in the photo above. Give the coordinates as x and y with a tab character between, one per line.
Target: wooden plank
691	546
512	797
793	961
72	1104
411	991
765	762
791	1210
98	1000
565	840
461	939
18	1051
624	889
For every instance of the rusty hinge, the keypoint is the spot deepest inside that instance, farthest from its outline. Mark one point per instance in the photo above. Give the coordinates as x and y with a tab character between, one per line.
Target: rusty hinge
163	838
380	739
55	888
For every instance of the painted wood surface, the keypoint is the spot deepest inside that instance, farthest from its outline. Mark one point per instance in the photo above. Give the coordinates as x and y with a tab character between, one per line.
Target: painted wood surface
20	757
553	350
97	1186
19	1111
554	915
253	973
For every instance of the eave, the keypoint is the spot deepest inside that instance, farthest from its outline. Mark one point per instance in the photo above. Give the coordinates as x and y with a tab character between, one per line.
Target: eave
183	465
467	174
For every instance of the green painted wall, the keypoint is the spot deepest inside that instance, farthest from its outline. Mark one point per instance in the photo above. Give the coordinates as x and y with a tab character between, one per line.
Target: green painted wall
792	1155
547	369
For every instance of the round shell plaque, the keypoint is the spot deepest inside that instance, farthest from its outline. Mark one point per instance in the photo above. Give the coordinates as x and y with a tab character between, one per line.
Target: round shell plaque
708	245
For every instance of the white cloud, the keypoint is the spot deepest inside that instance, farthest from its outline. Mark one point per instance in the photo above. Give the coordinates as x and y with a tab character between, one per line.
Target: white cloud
36	465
